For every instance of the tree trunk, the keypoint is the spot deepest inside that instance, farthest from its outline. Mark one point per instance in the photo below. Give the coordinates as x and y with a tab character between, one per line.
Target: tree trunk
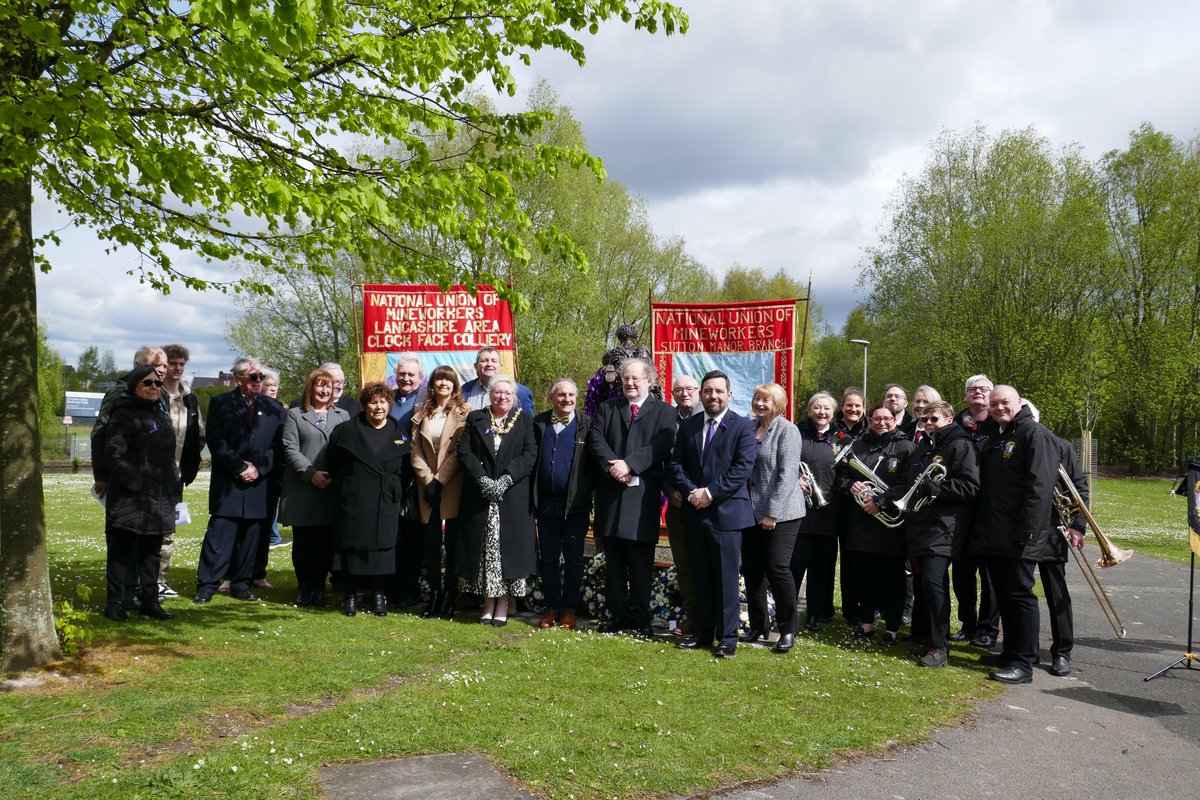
27	635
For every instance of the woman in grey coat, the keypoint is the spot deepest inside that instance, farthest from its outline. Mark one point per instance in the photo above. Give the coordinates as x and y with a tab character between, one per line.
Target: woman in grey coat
306	504
778	507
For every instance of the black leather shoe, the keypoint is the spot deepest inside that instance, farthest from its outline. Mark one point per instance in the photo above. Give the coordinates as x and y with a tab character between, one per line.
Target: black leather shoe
962	636
155	611
350	604
1061	666
995	659
431	607
380	609
752	635
725	650
1012	675
116	613
786	642
984	640
612	626
446	609
692	643
244	595
813	625
201	599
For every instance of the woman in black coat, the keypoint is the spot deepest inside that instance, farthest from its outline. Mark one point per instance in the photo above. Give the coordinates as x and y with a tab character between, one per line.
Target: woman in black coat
366	459
879	551
937	520
143	490
815	552
495	546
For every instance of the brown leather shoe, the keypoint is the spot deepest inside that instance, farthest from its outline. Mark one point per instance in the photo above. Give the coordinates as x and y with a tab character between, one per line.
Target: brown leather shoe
567	620
549	620
684	628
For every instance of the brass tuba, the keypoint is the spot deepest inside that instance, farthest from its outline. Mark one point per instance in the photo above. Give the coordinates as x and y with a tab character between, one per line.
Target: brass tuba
934	473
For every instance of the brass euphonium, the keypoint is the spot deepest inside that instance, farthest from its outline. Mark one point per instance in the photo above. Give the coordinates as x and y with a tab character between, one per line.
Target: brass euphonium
876	487
1068	504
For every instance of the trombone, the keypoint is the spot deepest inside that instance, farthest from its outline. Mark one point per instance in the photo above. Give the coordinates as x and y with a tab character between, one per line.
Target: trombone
1068	505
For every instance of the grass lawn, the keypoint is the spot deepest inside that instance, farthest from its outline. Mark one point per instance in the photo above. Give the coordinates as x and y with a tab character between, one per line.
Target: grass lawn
249	700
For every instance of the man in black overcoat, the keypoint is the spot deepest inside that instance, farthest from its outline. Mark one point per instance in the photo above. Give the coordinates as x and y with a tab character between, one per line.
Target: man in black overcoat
244	429
1014	520
629	443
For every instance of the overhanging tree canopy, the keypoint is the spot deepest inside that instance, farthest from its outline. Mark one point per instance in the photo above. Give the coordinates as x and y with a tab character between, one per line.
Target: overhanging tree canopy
218	128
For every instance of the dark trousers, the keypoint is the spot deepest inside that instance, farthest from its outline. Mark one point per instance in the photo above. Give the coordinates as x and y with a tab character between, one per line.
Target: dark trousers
628	569
228	551
1058	602
1012	578
410	548
131	559
815	555
312	553
716	555
677	536
977	609
849	579
878	583
932	585
560	545
767	559
436	542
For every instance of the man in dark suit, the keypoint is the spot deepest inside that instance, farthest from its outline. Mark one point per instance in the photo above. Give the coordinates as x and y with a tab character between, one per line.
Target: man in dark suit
487	367
712	461
563	483
244	432
629	442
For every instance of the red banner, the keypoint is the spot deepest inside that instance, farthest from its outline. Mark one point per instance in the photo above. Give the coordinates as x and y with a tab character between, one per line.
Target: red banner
751	342
426	319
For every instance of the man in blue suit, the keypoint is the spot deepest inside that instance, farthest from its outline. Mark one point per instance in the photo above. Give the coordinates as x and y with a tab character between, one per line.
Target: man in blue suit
712	461
244	431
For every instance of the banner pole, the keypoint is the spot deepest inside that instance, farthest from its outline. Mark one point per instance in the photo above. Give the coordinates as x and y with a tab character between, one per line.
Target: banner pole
358	331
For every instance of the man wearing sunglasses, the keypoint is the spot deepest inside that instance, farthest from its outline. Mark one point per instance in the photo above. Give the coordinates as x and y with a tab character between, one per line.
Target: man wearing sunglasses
244	431
937	521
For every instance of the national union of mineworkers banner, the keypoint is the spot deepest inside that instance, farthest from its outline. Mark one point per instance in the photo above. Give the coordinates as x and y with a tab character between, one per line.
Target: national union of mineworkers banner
442	327
751	342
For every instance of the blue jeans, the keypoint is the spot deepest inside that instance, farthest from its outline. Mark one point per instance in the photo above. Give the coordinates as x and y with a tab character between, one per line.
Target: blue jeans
561	539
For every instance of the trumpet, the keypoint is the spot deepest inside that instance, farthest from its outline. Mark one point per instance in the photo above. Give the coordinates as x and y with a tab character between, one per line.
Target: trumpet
1068	504
876	486
934	473
815	498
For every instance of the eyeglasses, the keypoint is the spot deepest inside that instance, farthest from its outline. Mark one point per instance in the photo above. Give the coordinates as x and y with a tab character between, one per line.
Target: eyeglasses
152	382
931	418
882	420
979	388
684	390
339	384
255	377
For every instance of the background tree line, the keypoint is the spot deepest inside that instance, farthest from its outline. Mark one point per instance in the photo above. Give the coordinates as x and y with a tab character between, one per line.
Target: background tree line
1076	281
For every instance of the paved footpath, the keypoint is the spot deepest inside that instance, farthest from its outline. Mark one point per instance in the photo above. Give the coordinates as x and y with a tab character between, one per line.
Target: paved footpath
1104	733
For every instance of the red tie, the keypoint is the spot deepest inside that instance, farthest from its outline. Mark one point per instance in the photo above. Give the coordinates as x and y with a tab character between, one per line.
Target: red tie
633	409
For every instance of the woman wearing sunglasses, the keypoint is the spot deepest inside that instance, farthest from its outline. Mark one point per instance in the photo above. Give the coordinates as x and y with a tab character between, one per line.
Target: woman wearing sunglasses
143	488
937	520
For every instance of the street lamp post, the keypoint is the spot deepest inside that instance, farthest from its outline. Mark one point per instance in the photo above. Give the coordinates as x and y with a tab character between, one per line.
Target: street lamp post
864	344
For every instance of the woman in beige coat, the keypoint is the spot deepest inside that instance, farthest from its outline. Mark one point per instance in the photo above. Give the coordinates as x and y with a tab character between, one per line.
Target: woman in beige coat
437	426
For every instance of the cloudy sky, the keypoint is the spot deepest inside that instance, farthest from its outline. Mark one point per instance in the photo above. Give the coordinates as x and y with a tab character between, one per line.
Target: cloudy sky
772	134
